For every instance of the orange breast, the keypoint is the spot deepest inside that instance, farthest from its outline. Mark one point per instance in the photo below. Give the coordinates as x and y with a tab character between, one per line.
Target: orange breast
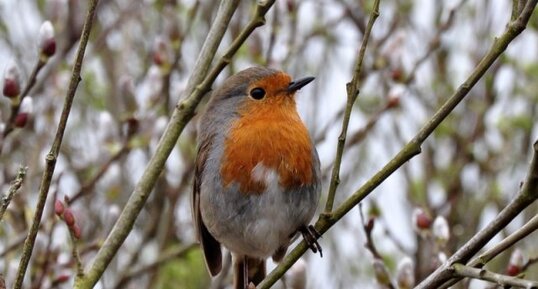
270	133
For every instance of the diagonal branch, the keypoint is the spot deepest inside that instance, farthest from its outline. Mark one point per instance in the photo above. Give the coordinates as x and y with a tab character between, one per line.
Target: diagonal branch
198	85
479	262
412	148
527	195
55	150
500	279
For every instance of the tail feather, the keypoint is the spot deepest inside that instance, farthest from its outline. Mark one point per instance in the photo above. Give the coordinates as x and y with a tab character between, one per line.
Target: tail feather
246	266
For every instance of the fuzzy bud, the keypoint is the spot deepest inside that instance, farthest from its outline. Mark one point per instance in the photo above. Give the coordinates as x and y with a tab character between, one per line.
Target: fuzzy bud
441	257
162	53
291	6
69	218
27	105
421	220
381	273
59	208
76	231
61	279
21	119
12	83
516	263
47	42
405	274
441	230
393	101
397	74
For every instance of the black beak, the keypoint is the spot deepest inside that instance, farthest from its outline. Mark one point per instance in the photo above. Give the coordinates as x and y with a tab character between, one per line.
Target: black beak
299	83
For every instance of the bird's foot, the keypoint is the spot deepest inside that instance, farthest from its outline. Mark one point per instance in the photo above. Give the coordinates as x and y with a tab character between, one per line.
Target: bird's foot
311	236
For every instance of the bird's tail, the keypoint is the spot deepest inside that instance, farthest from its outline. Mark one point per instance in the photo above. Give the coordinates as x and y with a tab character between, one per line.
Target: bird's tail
246	266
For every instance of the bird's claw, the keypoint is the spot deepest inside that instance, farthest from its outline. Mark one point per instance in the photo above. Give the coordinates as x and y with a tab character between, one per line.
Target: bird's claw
311	236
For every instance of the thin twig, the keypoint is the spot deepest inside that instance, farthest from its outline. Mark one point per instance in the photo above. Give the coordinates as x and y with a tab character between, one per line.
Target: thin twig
41	61
87	187
435	42
44	264
13	189
463	271
352	89
167	256
479	262
75	254
13	246
53	154
411	149
368	227
529	263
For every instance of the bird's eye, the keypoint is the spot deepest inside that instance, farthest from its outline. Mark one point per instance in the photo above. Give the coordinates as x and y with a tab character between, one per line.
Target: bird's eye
257	93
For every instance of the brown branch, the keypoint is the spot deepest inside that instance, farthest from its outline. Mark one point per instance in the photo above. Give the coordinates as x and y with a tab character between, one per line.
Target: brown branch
482	274
368	227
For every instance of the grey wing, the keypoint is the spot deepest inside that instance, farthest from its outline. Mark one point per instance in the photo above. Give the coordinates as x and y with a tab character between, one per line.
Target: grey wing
210	246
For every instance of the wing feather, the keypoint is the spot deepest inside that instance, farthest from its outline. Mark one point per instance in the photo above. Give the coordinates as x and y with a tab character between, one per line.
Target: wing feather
210	246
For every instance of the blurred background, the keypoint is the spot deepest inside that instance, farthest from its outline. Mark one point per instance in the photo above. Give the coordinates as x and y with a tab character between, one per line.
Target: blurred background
138	60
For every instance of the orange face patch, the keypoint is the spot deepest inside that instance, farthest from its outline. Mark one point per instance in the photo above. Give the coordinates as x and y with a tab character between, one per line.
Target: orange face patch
268	132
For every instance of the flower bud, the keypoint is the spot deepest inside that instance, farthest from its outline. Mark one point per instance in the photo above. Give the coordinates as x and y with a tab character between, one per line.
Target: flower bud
421	220
516	263
12	83
291	6
397	74
69	218
76	231
393	100
441	230
441	257
381	273
61	279
27	105
162	53
405	274
47	42
21	119
59	208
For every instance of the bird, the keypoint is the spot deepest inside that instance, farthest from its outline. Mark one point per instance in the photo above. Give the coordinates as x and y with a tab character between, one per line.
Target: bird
257	177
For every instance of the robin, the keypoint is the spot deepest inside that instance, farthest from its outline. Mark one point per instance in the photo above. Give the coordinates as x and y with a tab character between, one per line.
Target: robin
257	174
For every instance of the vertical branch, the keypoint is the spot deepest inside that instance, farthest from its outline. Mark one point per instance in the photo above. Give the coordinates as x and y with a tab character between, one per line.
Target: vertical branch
352	89
53	154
